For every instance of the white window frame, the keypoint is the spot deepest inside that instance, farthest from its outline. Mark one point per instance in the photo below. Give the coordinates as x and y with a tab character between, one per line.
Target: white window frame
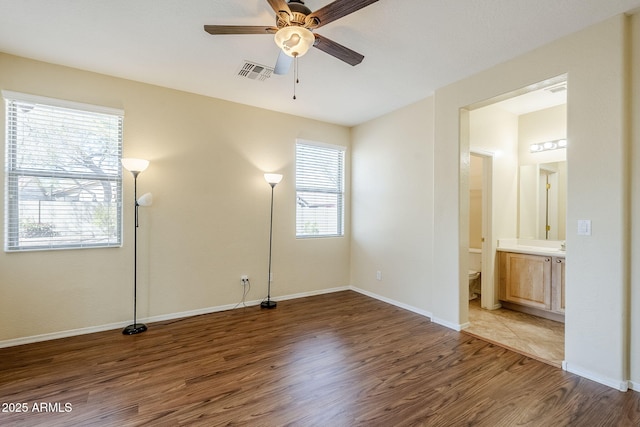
321	188
76	233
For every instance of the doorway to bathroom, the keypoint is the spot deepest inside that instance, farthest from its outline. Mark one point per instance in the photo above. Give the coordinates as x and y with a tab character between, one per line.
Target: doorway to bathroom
480	176
506	138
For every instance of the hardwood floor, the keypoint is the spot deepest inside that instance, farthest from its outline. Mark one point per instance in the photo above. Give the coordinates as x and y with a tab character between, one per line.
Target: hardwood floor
339	359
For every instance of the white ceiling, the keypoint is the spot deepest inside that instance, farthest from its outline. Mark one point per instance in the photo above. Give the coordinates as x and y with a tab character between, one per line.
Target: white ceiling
534	101
411	47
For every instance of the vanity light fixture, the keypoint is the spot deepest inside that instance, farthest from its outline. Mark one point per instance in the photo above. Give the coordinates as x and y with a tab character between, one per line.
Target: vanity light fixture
548	145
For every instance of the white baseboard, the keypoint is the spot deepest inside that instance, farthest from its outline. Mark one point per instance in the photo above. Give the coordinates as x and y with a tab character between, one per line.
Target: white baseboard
392	302
159	318
634	385
198	312
61	334
621	385
447	324
312	293
208	310
441	322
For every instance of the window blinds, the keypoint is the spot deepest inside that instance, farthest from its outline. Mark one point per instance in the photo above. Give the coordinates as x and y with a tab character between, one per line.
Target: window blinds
63	184
319	190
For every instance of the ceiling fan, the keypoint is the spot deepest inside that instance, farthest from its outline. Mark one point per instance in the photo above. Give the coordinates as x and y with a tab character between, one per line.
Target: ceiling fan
293	30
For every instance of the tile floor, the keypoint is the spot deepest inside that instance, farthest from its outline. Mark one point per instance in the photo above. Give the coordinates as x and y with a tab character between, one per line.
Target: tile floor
533	336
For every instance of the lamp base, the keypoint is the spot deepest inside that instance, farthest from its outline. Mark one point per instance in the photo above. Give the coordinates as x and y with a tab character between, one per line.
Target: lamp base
136	328
268	304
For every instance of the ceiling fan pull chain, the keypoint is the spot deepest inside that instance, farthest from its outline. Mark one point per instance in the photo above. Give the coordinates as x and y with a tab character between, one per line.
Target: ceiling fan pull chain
295	75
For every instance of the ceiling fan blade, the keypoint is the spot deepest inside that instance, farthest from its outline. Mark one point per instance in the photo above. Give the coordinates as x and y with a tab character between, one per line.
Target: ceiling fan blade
279	6
337	10
282	64
345	54
238	29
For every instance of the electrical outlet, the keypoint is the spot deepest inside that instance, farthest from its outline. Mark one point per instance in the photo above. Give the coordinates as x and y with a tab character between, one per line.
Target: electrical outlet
244	280
378	275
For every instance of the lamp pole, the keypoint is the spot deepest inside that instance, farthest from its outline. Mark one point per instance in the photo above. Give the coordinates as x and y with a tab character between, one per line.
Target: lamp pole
135	169
272	179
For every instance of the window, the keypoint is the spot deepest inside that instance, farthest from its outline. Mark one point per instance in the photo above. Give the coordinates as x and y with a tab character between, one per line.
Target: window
319	190
63	180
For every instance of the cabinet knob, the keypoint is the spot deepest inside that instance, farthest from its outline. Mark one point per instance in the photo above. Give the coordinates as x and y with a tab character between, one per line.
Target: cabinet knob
547	259
559	261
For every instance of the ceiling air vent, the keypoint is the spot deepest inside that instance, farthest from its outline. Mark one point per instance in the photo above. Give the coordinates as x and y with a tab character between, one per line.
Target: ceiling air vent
255	71
558	88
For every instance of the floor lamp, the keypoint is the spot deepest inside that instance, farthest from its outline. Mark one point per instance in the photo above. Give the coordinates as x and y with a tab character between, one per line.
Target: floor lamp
272	179
136	166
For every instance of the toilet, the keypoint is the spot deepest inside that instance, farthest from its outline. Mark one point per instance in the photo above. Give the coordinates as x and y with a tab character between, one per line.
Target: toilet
475	268
473	287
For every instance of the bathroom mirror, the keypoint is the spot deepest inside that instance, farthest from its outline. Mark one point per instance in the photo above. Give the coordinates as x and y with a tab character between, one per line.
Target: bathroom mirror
542	201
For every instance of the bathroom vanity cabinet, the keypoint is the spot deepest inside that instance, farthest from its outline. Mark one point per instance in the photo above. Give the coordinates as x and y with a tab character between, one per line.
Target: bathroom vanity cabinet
532	283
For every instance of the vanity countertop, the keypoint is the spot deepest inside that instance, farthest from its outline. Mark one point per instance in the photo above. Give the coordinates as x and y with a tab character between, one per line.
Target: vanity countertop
544	248
533	250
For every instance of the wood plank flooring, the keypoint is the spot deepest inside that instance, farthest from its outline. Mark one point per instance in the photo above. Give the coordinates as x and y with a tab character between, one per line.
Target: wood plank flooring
340	359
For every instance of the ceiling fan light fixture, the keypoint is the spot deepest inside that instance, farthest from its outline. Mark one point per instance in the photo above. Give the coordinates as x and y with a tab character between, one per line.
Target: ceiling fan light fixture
294	40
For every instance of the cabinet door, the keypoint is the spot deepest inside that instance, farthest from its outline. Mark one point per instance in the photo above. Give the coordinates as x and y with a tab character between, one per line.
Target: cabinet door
557	285
528	280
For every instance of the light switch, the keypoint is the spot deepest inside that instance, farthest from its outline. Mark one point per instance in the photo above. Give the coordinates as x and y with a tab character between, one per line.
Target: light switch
584	227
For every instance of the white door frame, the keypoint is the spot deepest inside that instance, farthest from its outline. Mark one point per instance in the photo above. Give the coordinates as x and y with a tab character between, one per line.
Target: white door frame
487	278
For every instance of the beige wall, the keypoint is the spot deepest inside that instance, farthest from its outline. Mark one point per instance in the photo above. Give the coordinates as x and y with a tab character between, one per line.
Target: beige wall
634	294
597	316
209	223
596	344
494	130
475	202
392	205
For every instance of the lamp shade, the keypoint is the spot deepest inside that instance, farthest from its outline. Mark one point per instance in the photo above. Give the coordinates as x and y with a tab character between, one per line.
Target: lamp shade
273	178
294	40
135	165
145	200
